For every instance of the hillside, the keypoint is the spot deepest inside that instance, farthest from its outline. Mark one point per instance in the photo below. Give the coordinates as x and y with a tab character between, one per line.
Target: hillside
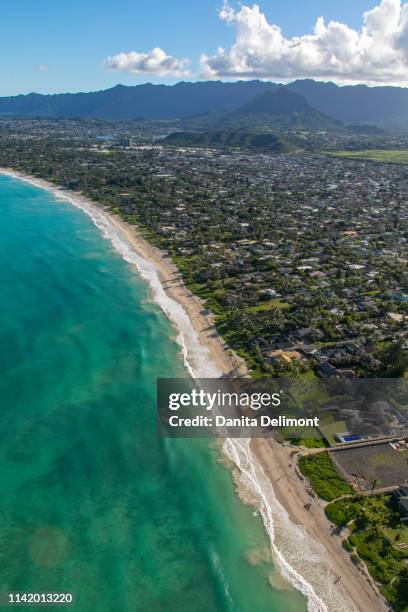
228	138
282	108
386	106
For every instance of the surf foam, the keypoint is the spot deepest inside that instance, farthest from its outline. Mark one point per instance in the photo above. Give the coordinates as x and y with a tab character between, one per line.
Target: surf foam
301	560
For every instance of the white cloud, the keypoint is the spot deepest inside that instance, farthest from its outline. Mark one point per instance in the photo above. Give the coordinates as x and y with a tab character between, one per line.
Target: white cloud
378	53
42	68
155	61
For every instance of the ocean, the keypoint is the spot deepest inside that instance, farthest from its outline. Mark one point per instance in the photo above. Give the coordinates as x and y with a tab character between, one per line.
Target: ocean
93	500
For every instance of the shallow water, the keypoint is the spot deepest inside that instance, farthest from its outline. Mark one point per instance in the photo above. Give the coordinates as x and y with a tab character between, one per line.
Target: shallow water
93	499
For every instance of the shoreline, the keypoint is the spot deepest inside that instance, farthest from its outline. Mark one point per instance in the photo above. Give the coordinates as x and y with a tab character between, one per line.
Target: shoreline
293	492
309	557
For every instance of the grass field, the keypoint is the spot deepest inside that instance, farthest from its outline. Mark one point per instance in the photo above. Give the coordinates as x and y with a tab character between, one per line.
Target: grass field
377	155
268	305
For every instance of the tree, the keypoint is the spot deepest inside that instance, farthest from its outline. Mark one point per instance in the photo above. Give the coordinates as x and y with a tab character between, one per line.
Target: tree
374	484
395	359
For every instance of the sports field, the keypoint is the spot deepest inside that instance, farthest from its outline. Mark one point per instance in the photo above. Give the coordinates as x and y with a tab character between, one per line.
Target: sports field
378	155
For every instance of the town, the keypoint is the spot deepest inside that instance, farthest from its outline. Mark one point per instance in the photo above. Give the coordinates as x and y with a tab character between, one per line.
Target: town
302	257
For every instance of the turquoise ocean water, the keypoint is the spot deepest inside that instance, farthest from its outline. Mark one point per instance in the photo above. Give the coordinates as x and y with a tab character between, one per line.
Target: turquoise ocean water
92	499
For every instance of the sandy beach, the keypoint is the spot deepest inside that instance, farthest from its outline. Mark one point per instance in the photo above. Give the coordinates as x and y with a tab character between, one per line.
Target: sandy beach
350	588
201	318
293	493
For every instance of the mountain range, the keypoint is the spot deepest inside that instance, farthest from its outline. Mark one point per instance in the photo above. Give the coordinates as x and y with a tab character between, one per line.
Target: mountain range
356	104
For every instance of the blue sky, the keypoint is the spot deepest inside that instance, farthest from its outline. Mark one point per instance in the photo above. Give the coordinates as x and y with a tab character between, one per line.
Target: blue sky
61	45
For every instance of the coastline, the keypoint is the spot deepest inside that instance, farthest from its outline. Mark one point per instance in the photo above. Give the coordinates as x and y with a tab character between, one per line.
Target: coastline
208	356
309	556
293	492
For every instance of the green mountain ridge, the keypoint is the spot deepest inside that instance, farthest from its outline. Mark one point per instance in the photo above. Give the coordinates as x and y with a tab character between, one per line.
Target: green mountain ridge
356	104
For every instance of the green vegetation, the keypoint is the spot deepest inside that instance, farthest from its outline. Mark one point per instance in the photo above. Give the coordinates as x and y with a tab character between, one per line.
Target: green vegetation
268	305
282	108
347	546
398	535
377	155
379	539
328	429
395	359
228	138
320	471
362	510
309	442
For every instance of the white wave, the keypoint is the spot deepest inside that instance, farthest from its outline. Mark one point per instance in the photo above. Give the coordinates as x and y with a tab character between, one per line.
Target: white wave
196	356
301	560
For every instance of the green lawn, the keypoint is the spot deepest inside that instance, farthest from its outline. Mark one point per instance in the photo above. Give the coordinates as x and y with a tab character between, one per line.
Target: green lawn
329	429
398	536
268	305
378	155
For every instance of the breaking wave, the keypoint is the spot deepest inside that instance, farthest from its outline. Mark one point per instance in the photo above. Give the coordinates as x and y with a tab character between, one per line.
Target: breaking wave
302	561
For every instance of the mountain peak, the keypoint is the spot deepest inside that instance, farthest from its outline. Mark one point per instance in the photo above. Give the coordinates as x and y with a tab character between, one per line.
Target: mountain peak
282	101
283	108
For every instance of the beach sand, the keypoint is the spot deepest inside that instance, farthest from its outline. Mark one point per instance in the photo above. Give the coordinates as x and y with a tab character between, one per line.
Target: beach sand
350	588
293	492
224	360
201	318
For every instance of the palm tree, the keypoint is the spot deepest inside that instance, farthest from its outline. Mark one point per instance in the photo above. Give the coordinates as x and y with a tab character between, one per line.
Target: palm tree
374	484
